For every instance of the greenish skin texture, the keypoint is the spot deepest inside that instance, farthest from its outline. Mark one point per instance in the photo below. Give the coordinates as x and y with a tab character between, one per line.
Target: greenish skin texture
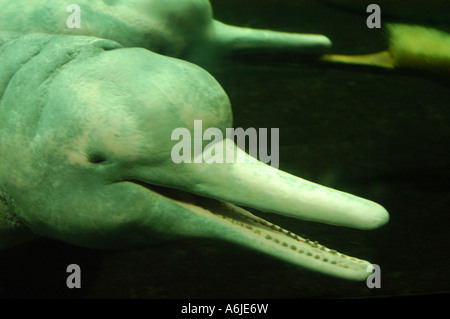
85	130
67	101
177	28
85	123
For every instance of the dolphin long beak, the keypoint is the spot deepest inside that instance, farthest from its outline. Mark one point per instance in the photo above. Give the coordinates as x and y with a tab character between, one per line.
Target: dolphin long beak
248	182
239	39
254	184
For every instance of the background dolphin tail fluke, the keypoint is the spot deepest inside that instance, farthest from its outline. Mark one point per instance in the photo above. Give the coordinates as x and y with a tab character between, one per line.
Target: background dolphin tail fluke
239	39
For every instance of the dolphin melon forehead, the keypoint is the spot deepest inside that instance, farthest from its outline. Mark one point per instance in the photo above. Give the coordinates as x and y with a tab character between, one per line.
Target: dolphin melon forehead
168	84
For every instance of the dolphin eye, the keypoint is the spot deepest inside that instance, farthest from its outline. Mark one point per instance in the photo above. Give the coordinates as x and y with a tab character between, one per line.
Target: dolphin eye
97	158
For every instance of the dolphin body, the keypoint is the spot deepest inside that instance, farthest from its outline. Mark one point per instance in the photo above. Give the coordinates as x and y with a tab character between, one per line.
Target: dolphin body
177	28
85	144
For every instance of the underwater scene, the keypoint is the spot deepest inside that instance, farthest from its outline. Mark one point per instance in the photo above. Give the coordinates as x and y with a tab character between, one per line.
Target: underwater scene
344	104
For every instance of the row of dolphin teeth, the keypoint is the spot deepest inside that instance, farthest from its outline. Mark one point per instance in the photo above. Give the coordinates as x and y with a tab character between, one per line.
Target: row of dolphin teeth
313	244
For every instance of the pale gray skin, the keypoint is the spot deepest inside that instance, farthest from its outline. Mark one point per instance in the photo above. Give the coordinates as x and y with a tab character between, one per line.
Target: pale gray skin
178	28
85	135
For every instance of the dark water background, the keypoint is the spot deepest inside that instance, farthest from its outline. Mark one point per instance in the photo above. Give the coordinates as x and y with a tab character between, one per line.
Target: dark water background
382	135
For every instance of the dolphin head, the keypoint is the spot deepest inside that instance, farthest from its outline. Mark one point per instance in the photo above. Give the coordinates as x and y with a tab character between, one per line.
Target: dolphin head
178	28
97	168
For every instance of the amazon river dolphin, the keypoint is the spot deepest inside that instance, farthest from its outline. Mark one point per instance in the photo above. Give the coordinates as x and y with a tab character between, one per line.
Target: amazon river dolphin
85	144
177	28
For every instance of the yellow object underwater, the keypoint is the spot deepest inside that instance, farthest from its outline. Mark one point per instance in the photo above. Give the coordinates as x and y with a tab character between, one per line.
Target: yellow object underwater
410	46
